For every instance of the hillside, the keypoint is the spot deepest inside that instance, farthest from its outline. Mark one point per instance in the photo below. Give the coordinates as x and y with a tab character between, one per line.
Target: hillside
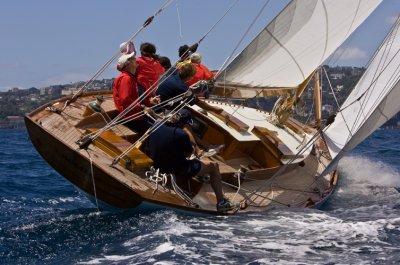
16	102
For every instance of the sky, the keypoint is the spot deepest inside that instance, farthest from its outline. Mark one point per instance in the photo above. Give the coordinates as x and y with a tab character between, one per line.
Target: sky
51	42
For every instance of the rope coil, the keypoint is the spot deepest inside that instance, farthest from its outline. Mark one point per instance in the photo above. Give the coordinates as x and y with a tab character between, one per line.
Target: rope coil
158	178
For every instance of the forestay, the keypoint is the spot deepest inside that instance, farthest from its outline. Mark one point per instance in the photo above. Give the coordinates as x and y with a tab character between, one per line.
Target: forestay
374	100
295	43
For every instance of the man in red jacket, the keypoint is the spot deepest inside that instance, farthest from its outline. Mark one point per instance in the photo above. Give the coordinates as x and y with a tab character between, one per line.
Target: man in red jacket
202	72
149	69
125	93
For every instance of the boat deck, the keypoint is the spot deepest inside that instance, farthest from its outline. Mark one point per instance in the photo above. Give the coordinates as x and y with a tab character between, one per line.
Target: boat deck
266	184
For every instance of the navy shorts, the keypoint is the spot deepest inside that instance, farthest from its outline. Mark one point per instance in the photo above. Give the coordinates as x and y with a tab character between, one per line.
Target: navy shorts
190	169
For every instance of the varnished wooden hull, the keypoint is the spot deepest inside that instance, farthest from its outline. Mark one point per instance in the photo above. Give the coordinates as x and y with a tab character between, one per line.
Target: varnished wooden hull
77	169
54	135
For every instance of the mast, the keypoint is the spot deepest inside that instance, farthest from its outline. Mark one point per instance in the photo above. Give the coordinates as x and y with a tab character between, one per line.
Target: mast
317	100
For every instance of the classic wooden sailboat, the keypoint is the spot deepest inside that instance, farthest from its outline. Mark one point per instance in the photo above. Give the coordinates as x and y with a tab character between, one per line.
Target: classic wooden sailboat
270	160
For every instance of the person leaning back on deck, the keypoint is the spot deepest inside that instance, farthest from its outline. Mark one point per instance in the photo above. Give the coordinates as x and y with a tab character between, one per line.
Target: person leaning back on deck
125	92
169	146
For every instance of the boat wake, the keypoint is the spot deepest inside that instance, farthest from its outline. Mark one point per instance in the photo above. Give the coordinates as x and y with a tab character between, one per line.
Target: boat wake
280	237
358	225
362	170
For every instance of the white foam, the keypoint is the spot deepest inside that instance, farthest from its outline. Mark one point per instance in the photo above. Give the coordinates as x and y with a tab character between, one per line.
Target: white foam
363	170
106	258
165	247
309	236
9	201
171	226
63	200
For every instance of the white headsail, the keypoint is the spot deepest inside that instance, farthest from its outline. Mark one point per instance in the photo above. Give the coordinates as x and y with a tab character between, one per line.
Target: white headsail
374	100
295	43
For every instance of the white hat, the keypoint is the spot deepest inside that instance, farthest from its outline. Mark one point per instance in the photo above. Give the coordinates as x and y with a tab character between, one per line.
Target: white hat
123	59
195	57
127	47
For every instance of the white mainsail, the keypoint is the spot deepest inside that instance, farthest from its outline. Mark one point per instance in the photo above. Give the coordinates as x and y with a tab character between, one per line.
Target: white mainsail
374	100
296	42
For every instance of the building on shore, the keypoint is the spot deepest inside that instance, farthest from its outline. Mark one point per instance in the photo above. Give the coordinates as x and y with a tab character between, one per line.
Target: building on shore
12	122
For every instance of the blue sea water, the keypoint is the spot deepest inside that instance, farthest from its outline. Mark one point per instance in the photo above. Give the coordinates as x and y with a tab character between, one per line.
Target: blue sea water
45	220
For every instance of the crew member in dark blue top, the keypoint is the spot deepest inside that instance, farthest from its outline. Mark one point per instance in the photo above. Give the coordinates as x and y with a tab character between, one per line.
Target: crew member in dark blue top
175	84
169	146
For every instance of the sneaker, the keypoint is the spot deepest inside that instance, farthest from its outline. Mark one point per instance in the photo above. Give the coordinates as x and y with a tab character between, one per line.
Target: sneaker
225	206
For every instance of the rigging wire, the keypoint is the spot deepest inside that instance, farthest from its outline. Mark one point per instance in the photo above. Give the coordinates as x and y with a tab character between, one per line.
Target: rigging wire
162	78
282	169
241	40
383	61
120	119
373	82
152	129
194	46
364	97
228	60
219	20
375	79
94	183
330	86
104	67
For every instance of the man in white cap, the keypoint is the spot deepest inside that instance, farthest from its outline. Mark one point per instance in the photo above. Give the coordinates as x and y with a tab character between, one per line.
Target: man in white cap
127	47
202	71
125	93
